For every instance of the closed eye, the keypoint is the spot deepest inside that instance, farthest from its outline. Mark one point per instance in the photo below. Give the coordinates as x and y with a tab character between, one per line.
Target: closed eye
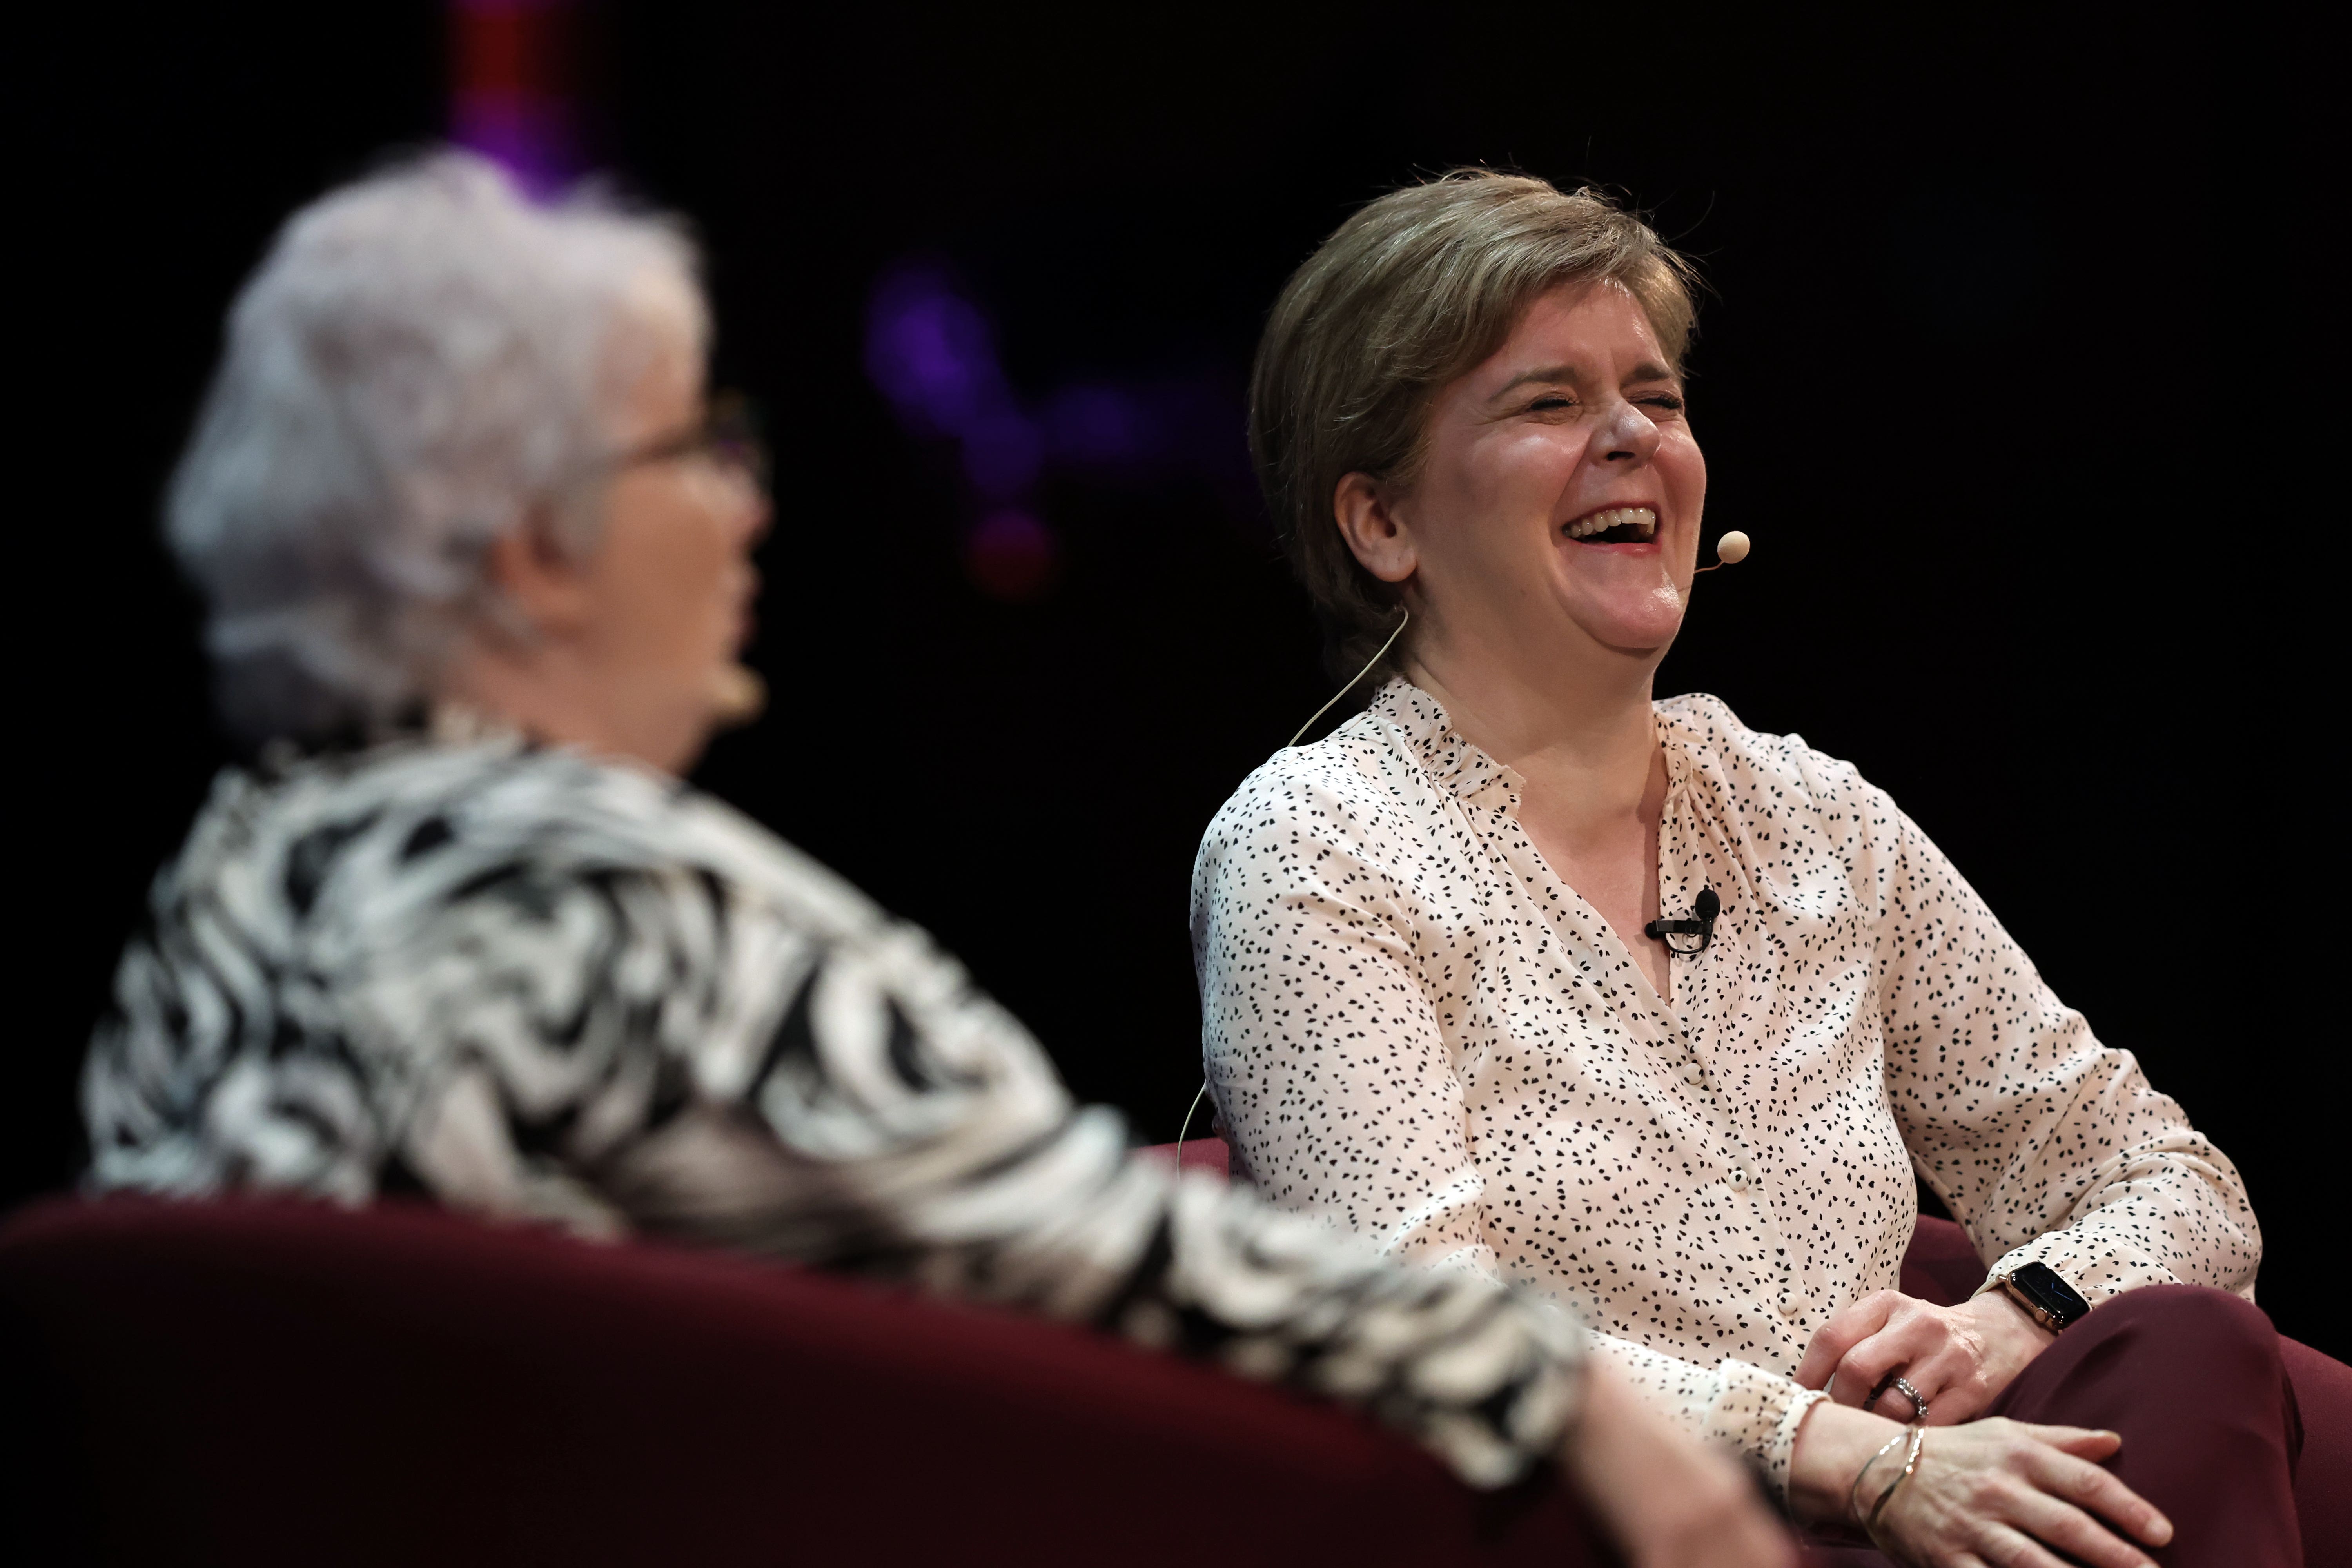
1551	402
1666	400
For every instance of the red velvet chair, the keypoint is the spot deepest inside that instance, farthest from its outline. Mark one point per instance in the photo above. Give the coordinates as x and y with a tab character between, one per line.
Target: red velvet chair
266	1383
272	1382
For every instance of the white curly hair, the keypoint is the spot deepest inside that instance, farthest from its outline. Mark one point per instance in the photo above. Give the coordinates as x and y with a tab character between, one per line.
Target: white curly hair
423	356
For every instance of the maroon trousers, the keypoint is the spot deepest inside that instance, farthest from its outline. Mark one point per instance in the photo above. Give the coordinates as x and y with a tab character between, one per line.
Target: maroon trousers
2204	1393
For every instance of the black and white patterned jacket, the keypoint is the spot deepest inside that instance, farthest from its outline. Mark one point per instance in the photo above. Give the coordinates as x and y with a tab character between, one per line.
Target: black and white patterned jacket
538	986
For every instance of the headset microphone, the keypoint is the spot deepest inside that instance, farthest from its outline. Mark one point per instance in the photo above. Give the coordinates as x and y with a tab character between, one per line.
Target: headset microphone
1730	551
736	696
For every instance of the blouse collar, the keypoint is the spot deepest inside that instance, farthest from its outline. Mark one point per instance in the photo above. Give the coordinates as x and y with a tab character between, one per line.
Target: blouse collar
1444	751
1462	767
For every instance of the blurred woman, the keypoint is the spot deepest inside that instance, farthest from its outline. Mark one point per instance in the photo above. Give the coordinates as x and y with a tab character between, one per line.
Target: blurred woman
477	549
1524	971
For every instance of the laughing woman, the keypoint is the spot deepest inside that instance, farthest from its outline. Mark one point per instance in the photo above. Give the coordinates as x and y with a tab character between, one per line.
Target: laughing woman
1437	1006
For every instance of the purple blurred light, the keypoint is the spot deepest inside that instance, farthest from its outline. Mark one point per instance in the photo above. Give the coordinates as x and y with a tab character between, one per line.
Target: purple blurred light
511	87
1095	424
530	138
1001	454
931	353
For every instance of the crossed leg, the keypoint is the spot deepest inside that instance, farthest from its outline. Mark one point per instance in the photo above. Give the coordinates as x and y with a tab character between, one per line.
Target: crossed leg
2193	1380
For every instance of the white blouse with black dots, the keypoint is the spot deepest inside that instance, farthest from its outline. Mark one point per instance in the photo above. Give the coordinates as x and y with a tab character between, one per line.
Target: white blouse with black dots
1410	1024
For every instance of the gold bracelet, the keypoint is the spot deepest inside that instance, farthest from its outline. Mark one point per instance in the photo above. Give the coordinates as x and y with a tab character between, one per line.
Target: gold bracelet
1910	1463
1853	1492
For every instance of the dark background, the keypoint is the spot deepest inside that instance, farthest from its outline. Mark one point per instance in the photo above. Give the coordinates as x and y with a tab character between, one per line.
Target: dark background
2002	373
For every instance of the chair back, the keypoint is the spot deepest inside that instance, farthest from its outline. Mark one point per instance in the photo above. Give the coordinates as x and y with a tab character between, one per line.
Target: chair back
271	1383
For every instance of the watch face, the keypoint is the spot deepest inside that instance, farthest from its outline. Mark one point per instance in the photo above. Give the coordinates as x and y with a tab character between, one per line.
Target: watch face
2043	1287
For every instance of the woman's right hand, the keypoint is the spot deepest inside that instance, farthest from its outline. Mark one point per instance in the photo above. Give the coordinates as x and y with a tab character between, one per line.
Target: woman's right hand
1994	1491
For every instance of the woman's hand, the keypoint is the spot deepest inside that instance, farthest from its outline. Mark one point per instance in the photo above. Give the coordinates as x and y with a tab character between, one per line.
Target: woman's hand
1667	1500
1991	1491
1959	1358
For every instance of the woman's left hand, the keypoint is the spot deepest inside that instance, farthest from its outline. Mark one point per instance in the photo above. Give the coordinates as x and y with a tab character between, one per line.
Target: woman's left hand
1959	1358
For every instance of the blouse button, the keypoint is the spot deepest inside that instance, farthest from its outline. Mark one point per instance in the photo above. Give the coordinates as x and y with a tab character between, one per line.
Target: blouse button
1738	1180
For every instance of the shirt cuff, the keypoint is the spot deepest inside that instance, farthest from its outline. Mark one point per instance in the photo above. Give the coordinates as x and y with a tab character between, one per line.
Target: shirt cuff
1760	1412
2090	1263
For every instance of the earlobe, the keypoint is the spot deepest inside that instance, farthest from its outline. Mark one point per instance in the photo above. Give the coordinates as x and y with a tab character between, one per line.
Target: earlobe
536	581
1367	519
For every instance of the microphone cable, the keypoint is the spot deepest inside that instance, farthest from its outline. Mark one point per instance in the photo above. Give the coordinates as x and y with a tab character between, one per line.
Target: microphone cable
1370	664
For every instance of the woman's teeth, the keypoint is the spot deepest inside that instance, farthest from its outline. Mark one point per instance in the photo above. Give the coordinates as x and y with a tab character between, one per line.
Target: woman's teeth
1639	522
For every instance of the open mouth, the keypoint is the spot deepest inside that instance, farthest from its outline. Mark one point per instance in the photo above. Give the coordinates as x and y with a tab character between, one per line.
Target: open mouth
1615	525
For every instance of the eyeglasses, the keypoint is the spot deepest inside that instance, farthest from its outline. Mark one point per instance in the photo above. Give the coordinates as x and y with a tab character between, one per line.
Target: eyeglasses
727	436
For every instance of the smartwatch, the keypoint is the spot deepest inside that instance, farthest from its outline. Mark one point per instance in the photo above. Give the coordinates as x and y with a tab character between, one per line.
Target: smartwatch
2047	1299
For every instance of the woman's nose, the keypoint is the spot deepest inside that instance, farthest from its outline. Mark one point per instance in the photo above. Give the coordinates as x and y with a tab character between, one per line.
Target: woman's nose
1624	435
760	514
736	507
746	509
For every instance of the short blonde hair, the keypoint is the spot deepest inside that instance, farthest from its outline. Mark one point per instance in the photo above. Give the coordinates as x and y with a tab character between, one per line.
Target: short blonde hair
1408	293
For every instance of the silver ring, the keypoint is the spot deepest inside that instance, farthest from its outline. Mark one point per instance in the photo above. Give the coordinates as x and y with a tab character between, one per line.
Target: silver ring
1918	1405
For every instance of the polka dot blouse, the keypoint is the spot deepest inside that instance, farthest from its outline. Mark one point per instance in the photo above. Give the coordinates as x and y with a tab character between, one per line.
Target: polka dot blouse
1411	1025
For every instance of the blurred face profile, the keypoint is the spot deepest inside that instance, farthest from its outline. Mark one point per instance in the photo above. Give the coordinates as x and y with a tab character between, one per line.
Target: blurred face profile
1561	492
666	598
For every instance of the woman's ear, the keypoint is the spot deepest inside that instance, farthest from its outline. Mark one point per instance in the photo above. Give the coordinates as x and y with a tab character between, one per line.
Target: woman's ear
544	588
1381	539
